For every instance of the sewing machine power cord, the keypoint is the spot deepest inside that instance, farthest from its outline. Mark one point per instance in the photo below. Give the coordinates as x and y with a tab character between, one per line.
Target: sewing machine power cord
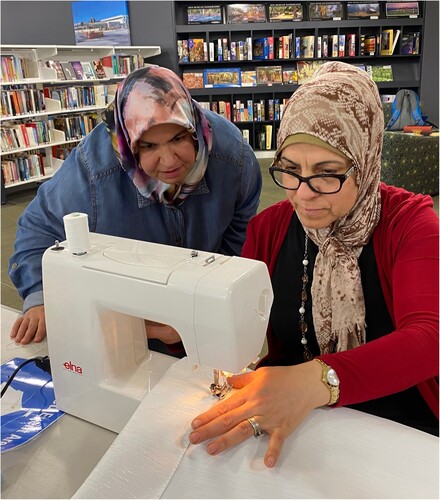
41	362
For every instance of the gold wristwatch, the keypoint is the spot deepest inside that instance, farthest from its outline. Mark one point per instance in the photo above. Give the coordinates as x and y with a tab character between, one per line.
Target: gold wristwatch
331	381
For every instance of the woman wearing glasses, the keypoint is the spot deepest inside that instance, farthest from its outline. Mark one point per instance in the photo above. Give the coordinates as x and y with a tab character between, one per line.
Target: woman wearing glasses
354	269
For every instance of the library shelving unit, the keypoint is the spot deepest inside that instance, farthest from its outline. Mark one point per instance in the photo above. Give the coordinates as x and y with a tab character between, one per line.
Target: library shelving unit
31	114
405	67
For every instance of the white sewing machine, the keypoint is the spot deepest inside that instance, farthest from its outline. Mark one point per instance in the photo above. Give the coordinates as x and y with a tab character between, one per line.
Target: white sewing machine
96	304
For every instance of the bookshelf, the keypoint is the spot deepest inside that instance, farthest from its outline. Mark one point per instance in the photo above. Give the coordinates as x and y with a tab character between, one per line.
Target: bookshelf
43	115
405	67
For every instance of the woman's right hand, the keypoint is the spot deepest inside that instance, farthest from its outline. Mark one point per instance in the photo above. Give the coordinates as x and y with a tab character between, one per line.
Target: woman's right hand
31	327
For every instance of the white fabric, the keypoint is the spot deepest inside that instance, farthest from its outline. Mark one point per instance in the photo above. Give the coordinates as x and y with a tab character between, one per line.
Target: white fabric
336	453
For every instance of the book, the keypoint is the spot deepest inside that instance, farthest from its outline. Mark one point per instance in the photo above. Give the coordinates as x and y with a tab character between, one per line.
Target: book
306	69
268	130
341	45
382	73
319	47
249	78
324	45
297	47
369	45
351	44
290	76
335	45
271	47
78	70
307	47
56	65
182	51
396	35
110	66
99	69
193	79
196	49
88	71
386	42
268	75
258	49
68	70
245	134
222	77
410	43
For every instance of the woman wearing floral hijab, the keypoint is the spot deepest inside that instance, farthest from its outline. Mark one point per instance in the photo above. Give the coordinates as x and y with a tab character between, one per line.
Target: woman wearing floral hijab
158	169
354	269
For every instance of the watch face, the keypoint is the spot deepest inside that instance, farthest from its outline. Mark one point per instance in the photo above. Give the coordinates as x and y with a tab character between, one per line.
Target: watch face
332	378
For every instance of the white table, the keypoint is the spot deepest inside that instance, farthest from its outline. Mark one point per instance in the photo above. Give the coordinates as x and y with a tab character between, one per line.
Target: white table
55	464
336	453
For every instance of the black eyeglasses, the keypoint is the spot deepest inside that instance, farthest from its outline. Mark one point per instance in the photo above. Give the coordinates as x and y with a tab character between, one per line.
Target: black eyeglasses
321	183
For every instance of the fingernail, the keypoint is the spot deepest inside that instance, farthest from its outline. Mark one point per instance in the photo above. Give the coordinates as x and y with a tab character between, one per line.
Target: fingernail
194	437
212	448
196	423
270	461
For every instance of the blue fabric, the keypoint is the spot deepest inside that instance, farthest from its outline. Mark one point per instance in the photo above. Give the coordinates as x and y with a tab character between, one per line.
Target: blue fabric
212	218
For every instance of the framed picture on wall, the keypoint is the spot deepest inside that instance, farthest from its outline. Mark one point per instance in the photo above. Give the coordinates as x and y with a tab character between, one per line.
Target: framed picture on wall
363	10
321	11
101	23
246	13
285	12
206	14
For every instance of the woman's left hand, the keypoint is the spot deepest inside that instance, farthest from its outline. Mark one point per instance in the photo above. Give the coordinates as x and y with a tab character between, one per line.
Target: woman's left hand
279	398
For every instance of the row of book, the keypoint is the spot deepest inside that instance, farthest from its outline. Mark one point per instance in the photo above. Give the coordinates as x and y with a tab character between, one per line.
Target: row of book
82	96
106	67
22	101
37	134
15	68
198	50
290	47
75	126
294	74
77	70
22	168
248	110
264	137
24	135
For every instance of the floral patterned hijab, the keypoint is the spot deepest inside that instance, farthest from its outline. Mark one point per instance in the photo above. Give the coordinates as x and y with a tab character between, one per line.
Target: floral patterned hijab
152	96
341	106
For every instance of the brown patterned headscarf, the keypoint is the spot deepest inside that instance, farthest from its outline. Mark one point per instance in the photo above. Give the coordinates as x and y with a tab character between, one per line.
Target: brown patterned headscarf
341	106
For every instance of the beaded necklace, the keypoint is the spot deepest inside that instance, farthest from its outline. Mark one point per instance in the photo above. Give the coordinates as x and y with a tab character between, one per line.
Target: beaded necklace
307	355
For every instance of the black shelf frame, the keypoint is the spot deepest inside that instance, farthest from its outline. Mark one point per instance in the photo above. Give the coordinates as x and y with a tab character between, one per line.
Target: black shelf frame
407	69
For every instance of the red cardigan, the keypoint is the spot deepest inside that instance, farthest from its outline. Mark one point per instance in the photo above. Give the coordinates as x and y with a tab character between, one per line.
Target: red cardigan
406	250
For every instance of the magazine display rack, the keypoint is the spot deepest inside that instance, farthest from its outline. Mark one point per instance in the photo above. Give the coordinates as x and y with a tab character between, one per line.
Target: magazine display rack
265	39
37	98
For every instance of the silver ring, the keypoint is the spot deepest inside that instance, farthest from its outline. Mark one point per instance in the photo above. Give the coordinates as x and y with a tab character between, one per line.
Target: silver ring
256	427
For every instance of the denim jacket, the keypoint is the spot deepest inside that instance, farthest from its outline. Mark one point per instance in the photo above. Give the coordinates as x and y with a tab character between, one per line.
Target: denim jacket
212	218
